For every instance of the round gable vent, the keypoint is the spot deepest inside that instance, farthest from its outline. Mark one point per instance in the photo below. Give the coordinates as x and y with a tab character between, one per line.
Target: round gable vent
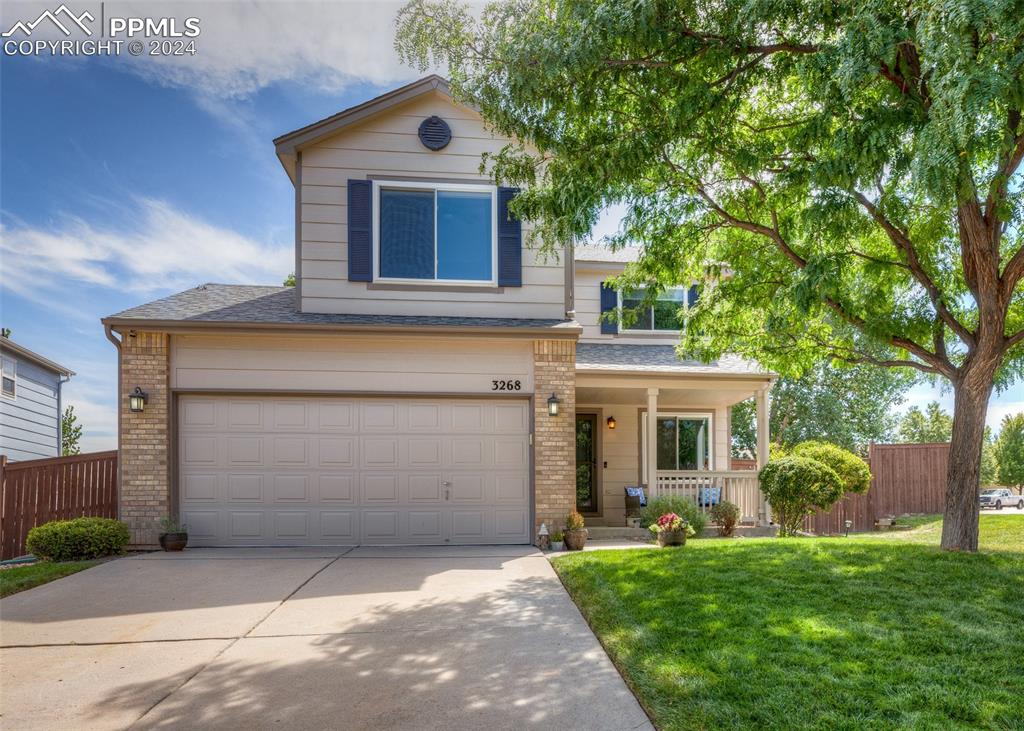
435	134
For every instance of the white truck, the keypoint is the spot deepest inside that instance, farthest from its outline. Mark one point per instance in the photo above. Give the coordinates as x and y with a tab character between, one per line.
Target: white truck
999	498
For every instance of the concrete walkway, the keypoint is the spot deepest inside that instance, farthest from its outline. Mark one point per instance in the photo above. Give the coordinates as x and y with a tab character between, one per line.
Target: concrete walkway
387	638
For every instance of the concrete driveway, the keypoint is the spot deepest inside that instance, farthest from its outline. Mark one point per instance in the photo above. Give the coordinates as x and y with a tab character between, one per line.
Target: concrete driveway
385	638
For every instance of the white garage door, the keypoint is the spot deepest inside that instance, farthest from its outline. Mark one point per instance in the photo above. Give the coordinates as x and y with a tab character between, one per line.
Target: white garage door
307	471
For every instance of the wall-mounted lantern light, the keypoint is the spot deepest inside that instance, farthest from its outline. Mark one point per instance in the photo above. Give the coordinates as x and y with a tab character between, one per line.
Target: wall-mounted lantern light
137	399
611	422
553	405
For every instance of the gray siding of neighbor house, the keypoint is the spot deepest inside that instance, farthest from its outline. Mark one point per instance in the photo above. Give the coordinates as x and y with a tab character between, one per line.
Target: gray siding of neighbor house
29	421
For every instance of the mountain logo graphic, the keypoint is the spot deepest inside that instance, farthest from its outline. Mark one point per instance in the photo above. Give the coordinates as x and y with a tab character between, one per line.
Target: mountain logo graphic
54	17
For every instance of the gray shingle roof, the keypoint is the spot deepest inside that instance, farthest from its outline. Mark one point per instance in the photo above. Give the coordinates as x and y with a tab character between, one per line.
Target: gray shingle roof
255	305
657	359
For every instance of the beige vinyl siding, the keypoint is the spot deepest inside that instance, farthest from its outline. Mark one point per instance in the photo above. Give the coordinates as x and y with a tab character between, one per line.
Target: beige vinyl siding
355	364
388	145
587	293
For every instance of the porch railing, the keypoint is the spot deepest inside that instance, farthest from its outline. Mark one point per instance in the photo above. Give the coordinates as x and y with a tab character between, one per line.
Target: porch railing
707	487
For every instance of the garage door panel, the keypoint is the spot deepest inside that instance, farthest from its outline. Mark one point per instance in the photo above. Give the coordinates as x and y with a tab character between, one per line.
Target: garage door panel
245	488
303	470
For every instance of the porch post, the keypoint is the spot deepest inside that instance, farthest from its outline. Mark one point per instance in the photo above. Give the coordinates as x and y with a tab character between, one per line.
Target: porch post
652	441
762	444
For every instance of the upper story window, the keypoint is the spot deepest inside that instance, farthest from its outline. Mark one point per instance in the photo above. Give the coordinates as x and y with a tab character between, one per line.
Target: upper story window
435	232
664	315
10	378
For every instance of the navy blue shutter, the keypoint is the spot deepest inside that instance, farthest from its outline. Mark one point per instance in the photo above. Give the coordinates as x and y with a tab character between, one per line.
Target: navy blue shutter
360	231
692	296
609	303
510	242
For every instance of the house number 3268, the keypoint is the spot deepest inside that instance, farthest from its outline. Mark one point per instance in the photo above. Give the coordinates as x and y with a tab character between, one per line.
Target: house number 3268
506	385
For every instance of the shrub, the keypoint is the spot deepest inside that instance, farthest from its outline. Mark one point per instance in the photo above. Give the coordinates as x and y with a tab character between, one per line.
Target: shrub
725	515
852	470
681	506
795	486
574	521
78	539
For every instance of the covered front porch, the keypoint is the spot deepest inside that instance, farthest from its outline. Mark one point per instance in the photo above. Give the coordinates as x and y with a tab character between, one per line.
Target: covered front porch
687	407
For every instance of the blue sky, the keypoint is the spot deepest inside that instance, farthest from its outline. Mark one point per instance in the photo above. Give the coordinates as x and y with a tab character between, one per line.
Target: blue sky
124	180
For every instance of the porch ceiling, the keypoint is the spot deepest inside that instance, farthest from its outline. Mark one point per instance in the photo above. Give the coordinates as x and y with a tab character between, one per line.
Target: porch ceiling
678	392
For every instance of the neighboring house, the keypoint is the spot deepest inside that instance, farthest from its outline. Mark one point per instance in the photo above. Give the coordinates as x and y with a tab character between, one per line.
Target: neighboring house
30	403
403	390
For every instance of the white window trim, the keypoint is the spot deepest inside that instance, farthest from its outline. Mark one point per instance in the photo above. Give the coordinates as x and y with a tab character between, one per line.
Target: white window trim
454	187
13	376
627	330
709	415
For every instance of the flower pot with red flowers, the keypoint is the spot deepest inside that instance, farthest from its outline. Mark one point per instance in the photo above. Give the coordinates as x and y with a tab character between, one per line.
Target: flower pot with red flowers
671	530
575	534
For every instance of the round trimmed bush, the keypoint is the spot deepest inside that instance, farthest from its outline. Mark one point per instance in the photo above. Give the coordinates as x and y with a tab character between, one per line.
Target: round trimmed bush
795	486
725	515
78	539
852	470
681	506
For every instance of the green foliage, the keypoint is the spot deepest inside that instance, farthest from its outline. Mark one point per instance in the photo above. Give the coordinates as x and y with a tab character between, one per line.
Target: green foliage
289	281
78	539
1010	450
852	470
20	578
923	427
795	486
574	521
70	432
725	515
681	506
848	406
557	536
170	525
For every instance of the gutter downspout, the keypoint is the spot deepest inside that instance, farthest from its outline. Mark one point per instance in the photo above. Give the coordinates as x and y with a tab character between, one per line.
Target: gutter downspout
109	332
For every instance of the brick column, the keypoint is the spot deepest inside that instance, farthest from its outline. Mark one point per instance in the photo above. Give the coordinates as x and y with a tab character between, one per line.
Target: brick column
554	371
145	437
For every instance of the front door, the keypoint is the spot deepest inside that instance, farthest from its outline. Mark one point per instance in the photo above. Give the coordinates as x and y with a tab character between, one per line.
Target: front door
586	463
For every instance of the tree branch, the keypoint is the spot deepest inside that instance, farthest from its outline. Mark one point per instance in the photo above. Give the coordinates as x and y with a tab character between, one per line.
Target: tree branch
903	243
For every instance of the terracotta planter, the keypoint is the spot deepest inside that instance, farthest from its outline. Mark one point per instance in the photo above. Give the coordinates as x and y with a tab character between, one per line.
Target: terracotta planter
576	539
173	541
672	538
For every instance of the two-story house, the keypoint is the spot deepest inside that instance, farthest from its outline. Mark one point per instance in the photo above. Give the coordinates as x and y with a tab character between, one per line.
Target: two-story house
429	379
30	403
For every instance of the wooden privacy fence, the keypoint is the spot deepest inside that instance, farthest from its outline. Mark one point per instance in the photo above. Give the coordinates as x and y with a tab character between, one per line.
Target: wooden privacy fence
40	490
906	479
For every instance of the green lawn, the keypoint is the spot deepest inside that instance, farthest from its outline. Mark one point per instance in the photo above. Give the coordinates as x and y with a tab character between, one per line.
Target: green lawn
21	578
867	632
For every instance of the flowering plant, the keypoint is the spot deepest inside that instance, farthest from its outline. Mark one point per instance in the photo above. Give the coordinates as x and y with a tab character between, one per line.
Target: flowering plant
670	522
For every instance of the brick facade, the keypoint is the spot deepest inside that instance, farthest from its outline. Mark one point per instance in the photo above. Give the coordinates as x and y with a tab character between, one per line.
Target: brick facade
554	371
145	436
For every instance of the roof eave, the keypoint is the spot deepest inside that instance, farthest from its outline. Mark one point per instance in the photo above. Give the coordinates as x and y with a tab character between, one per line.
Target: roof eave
650	372
39	360
567	329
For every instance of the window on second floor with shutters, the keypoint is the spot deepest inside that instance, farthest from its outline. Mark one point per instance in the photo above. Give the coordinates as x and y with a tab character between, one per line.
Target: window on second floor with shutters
666	314
427	232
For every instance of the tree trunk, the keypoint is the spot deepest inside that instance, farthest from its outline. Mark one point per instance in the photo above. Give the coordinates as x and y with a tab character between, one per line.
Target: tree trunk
963	475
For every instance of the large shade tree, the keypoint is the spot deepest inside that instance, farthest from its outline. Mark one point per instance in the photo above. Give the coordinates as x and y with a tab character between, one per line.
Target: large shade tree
847	173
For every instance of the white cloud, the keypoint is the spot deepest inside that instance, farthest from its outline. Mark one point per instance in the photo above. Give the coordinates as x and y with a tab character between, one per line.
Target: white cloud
246	46
157	247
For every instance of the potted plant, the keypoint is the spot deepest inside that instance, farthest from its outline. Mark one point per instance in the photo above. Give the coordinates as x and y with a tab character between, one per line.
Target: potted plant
575	534
557	541
173	535
671	530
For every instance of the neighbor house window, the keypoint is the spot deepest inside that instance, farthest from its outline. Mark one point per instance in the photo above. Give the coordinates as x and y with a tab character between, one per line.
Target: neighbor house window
9	369
665	315
683	442
436	233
